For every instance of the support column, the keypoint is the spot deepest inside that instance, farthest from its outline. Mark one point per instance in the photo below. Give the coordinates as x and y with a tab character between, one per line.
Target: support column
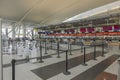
1	55
6	31
13	33
13	38
24	31
32	34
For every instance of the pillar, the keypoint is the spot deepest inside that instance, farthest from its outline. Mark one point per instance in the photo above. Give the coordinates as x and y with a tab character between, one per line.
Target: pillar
24	31
13	38
32	34
1	55
6	31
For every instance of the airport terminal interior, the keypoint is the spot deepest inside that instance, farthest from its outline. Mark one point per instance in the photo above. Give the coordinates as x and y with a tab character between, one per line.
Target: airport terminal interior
59	39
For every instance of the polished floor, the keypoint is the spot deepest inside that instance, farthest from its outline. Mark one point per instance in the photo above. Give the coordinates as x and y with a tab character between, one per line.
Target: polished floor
53	67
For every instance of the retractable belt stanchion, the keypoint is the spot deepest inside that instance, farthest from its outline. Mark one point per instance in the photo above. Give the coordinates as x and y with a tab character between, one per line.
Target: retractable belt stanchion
81	48
45	47
41	61
70	49
95	52
51	43
66	68
84	57
70	44
102	49
58	56
13	68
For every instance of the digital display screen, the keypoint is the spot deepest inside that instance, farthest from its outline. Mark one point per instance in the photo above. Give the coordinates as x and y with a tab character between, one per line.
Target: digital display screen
67	31
107	28
58	31
90	29
72	30
54	31
82	29
116	27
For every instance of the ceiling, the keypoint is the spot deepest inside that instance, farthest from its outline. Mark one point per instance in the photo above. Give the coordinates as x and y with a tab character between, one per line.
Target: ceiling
46	12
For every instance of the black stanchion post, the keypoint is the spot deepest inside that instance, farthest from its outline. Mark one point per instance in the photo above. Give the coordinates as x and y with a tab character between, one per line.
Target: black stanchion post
13	69
66	68
119	45
84	57
68	45
95	52
81	47
45	47
70	49
51	44
41	61
102	49
58	49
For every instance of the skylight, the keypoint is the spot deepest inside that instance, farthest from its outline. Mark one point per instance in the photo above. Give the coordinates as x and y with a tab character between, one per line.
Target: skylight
102	9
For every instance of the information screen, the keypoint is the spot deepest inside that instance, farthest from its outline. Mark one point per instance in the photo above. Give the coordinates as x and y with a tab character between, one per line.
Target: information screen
67	31
90	29
116	27
72	30
107	28
82	29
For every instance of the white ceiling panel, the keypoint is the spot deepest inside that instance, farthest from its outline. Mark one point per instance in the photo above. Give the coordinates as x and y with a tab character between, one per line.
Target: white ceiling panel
46	11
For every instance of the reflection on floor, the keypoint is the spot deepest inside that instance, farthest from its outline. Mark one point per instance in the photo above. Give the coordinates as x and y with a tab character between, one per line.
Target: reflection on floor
106	76
91	73
53	68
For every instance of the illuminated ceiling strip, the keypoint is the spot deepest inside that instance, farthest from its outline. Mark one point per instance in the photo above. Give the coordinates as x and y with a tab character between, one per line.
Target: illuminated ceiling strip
102	9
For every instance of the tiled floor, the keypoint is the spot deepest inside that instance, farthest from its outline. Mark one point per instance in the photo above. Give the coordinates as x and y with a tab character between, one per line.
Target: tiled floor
106	76
23	71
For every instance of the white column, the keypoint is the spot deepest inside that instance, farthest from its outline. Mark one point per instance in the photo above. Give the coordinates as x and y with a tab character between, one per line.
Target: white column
1	56
13	37
24	31
6	30
13	32
32	34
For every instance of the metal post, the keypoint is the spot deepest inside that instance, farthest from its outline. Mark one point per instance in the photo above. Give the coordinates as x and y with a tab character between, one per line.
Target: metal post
13	38
1	55
13	69
95	52
45	47
84	57
102	49
70	49
24	31
81	48
68	45
66	68
58	49
6	30
32	34
51	43
41	61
